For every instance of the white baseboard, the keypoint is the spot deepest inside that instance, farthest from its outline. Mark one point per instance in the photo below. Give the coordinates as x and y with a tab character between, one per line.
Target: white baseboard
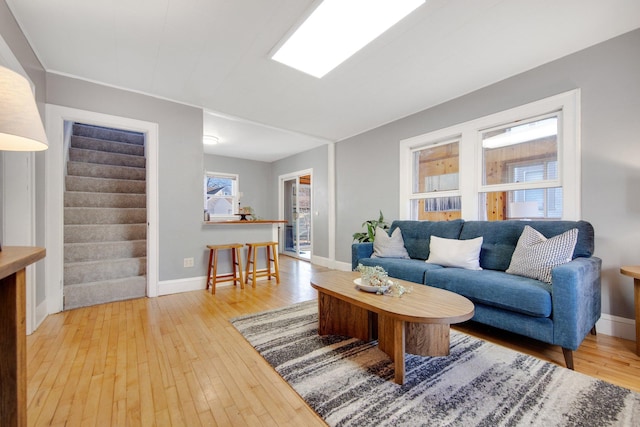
343	266
176	286
615	326
168	287
321	261
329	263
41	314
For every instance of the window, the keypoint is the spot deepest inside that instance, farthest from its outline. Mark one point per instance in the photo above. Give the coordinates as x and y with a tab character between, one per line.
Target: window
521	163
520	170
220	194
435	194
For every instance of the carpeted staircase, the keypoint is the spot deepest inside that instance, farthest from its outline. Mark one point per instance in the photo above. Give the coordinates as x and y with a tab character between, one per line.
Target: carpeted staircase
105	219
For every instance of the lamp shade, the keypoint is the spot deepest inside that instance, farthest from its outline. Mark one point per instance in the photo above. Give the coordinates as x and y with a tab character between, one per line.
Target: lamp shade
20	125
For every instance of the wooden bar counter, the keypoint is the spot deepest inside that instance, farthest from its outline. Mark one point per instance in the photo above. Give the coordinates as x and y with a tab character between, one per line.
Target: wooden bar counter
13	332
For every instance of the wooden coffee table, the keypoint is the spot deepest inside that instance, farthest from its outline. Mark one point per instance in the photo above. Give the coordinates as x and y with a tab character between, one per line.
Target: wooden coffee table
416	323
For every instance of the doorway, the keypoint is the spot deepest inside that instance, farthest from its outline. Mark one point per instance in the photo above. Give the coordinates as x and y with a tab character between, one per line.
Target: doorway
296	208
57	117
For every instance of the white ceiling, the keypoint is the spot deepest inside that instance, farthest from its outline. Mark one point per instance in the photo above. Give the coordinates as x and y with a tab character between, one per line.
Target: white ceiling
215	54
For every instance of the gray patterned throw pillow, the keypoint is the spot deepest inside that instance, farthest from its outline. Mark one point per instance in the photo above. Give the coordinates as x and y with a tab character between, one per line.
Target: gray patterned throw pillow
385	246
535	255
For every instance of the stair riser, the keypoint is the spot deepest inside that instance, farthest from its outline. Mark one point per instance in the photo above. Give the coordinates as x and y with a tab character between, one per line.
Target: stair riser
85	294
100	157
108	134
104	200
95	271
104	216
107	146
104	233
80	252
105	171
103	185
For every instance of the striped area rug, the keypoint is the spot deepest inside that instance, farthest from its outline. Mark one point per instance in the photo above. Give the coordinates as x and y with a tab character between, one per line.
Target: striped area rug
350	383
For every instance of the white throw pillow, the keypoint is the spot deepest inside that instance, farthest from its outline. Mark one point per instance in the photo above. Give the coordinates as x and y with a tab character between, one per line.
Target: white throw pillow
455	253
385	246
535	255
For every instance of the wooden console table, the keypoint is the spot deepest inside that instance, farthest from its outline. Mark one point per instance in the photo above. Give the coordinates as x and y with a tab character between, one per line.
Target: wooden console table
13	332
634	271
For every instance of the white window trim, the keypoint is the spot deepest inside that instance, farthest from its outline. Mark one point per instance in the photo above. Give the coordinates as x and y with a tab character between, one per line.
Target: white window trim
470	157
236	196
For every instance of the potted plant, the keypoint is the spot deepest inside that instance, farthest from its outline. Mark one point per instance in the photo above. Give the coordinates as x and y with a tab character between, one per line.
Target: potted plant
370	225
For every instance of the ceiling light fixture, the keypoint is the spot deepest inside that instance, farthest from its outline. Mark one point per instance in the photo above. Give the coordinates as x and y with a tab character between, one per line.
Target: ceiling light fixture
337	29
210	140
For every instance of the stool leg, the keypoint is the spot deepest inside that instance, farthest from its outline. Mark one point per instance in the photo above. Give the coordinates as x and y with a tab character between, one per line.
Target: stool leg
215	271
209	268
275	263
246	276
267	253
233	265
239	261
254	260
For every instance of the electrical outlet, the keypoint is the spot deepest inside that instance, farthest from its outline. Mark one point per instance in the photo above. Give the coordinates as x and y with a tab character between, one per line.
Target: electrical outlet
188	262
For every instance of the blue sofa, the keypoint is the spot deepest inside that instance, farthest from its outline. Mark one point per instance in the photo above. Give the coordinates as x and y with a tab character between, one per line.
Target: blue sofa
561	313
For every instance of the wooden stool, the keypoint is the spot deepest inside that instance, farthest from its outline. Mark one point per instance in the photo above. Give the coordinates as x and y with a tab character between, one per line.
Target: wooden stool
252	255
236	260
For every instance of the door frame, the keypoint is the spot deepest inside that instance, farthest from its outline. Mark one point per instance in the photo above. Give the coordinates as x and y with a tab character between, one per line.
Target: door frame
56	116
283	230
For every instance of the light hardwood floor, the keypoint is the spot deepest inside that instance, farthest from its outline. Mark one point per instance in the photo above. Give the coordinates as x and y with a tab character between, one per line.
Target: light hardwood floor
176	360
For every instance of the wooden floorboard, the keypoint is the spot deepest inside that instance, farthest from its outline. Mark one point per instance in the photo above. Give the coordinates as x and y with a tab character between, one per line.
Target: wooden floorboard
176	360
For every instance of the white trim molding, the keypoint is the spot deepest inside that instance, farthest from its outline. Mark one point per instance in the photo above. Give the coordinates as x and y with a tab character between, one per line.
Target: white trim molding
616	326
56	116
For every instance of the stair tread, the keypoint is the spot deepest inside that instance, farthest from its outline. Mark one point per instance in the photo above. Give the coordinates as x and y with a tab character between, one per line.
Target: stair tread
106	225
80	139
102	261
99	207
106	166
109	281
134	156
105	243
83	129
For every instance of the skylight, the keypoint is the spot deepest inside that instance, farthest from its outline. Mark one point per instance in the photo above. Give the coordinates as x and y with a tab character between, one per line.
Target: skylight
337	29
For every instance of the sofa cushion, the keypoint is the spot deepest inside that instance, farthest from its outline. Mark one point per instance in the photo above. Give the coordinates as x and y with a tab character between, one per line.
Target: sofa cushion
501	237
495	288
535	255
406	269
416	234
389	246
455	252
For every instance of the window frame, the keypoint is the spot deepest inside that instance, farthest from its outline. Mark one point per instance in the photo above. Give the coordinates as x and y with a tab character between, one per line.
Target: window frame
235	190
469	133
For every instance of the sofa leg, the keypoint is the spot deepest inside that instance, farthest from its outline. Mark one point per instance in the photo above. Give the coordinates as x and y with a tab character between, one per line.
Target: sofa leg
568	357
593	330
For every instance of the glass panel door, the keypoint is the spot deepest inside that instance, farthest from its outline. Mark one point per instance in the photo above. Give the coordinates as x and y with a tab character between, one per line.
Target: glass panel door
297	213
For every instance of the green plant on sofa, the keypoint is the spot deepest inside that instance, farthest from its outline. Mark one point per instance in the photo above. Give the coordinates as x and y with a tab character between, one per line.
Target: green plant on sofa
371	225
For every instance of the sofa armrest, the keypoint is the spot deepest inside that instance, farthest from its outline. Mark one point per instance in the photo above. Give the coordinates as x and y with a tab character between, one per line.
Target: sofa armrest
576	297
360	250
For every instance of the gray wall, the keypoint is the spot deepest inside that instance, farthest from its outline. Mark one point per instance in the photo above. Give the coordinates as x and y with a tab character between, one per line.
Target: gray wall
367	175
180	163
15	39
316	159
